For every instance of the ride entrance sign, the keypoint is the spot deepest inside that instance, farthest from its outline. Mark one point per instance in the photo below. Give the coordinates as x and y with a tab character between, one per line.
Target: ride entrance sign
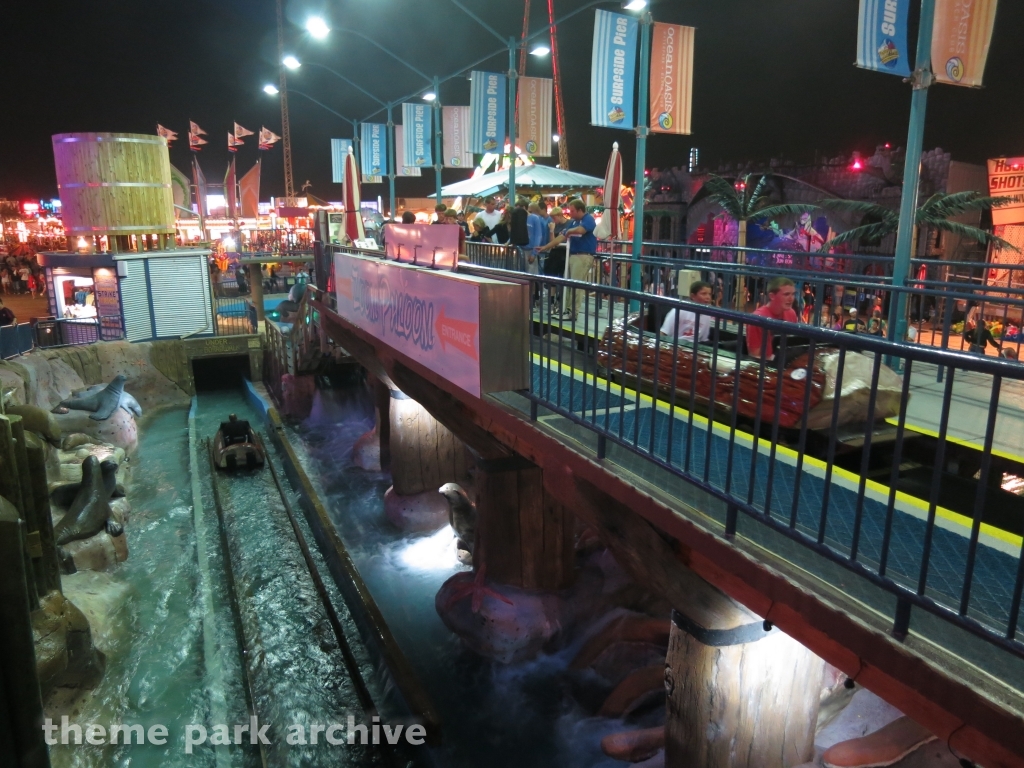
470	330
1006	179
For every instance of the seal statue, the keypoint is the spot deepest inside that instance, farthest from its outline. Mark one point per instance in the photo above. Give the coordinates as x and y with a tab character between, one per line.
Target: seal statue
129	403
64	495
90	513
461	514
103	402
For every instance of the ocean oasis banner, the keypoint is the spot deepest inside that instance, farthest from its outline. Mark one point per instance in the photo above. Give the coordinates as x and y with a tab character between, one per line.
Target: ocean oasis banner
960	40
613	70
671	78
882	36
417	133
533	133
339	148
486	112
455	137
374	149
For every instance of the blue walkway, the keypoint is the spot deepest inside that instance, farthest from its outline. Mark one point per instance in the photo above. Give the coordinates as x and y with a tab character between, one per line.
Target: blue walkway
798	492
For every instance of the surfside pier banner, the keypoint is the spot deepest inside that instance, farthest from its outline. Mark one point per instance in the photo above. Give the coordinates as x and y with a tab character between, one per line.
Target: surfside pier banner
613	70
882	37
417	134
487	130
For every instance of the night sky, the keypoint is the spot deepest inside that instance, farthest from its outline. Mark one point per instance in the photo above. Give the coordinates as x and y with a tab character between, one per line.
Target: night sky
772	78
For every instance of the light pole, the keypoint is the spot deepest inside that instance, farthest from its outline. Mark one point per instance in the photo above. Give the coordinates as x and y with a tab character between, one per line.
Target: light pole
921	79
642	130
286	129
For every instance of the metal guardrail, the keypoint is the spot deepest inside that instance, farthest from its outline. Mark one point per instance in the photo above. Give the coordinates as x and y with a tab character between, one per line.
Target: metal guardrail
771	441
15	340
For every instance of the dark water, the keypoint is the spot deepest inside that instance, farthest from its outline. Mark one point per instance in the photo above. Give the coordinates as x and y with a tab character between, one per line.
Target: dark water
492	714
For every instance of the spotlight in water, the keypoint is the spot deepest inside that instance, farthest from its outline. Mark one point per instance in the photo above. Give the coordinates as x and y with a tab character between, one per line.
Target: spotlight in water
431	553
291	62
270	89
317	27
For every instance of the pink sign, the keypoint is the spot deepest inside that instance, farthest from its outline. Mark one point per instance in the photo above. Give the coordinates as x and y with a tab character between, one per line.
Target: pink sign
433	317
422	244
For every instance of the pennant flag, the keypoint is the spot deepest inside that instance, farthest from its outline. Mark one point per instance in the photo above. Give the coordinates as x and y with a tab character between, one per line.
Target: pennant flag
249	192
534	130
671	78
400	167
194	142
455	137
231	190
960	40
882	36
166	134
486	112
200	184
233	143
373	139
267	138
193	128
417	134
339	149
612	70
240	132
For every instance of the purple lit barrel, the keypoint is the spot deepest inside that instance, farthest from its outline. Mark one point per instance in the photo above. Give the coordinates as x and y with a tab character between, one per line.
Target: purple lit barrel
114	183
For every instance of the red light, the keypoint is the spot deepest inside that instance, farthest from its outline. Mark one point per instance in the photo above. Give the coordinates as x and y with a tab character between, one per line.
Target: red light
857	165
30	207
888	145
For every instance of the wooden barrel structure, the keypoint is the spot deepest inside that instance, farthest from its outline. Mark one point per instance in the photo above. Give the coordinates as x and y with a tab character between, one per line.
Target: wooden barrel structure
114	183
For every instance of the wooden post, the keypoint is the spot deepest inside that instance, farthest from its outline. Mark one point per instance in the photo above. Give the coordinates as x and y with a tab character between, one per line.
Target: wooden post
524	537
424	454
739	697
29	513
10	489
382	401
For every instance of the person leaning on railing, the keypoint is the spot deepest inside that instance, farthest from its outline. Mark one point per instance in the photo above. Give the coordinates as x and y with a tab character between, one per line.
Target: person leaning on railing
781	295
582	250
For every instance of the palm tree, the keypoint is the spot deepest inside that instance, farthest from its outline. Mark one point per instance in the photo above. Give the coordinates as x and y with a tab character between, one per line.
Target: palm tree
745	203
937	211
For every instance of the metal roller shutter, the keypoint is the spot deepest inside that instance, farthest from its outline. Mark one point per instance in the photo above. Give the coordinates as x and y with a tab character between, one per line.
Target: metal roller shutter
138	322
181	296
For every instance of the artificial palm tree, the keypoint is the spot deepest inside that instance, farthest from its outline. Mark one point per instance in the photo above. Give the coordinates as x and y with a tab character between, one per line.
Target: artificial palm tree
745	203
937	211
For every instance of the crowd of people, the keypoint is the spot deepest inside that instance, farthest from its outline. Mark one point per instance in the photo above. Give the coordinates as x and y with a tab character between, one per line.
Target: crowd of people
21	275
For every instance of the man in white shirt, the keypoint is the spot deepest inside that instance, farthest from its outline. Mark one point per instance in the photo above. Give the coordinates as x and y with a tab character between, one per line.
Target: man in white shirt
700	292
490	216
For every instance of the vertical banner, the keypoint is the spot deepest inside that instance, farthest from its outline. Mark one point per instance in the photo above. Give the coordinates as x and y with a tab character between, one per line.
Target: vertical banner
487	112
200	181
882	36
613	70
534	130
374	149
960	40
417	133
455	136
249	192
671	78
339	148
401	167
231	190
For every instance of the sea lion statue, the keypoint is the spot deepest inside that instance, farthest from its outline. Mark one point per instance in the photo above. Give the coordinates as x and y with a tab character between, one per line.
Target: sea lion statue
102	400
461	515
90	513
65	495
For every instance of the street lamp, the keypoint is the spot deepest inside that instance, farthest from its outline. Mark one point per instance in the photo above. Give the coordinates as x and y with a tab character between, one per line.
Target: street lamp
317	27
634	5
291	62
540	50
271	90
429	96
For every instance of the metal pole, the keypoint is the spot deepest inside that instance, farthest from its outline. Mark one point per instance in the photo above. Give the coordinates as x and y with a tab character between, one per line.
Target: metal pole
437	140
513	77
391	160
635	277
921	79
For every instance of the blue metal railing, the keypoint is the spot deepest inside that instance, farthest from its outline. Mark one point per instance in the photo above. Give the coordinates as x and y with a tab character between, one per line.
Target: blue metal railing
15	340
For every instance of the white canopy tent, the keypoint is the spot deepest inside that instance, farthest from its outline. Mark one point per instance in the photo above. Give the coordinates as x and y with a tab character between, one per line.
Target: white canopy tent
529	179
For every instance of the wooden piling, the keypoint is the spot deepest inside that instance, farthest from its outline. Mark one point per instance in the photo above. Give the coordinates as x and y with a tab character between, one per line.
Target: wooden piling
424	454
10	489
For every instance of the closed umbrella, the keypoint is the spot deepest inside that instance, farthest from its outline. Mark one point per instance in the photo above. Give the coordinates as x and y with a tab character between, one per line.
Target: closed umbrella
353	215
610	227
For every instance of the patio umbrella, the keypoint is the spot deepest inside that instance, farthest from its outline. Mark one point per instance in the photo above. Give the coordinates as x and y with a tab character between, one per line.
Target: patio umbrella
353	214
610	227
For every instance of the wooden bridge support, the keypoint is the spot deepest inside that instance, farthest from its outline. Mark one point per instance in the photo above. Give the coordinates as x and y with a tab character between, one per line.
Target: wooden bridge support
524	537
424	454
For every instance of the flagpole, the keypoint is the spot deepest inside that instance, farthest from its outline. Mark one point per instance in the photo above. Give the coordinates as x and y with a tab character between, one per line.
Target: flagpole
921	79
391	159
635	277
513	76
437	139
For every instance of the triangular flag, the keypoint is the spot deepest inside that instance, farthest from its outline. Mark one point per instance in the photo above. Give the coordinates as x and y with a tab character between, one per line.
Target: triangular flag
233	143
166	134
194	142
193	128
240	132
267	138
